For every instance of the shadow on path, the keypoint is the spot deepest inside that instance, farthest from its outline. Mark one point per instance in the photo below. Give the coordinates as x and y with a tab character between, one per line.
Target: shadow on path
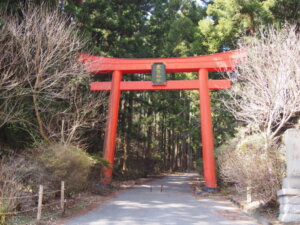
175	204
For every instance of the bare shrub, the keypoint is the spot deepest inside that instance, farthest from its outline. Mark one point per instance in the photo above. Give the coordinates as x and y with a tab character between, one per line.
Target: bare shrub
65	162
41	83
267	93
14	174
247	162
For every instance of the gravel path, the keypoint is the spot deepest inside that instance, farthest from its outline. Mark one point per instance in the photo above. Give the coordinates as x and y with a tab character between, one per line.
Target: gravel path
173	206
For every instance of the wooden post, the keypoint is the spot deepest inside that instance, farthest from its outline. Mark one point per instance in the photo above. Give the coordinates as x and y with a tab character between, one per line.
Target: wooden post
62	196
111	127
40	202
207	132
249	195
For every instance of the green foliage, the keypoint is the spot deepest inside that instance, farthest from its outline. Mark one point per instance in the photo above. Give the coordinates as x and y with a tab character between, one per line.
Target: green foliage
223	121
230	19
16	6
286	11
152	125
62	162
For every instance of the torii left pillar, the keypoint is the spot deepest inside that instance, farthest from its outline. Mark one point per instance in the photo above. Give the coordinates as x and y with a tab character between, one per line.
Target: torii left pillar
111	127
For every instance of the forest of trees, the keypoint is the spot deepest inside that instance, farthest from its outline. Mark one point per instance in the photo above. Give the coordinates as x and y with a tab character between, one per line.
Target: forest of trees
45	98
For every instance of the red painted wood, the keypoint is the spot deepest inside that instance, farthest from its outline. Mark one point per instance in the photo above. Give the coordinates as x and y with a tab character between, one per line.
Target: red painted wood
111	127
206	131
171	85
224	61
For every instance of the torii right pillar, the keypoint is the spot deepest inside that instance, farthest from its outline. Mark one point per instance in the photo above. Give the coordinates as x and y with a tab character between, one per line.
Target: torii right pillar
207	132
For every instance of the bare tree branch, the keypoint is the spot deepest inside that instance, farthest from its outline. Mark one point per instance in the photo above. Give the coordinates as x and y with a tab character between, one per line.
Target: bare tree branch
268	92
41	82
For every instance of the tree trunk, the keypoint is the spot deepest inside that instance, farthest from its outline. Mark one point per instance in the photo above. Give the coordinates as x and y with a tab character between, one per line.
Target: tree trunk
122	135
39	119
128	130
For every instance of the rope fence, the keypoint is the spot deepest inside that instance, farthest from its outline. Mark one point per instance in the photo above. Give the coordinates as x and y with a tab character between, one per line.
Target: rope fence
40	205
30	196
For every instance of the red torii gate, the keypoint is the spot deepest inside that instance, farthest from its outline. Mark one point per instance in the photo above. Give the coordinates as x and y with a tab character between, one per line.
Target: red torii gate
225	61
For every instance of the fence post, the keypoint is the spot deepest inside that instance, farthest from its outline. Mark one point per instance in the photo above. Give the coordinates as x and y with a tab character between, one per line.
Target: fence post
249	195
62	196
40	202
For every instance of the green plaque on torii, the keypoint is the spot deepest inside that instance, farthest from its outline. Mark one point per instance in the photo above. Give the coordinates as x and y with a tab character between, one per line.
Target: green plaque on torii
159	74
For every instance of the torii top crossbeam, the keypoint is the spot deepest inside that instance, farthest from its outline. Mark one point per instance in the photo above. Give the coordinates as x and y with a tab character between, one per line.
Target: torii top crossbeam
225	61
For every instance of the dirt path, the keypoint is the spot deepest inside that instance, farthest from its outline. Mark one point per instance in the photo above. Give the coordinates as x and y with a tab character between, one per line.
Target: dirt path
161	202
